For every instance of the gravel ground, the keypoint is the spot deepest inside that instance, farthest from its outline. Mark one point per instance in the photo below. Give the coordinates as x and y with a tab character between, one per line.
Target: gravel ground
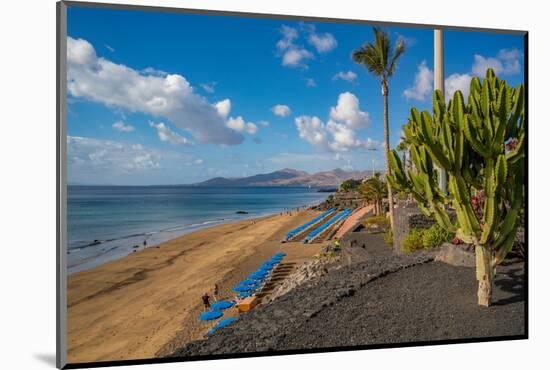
388	299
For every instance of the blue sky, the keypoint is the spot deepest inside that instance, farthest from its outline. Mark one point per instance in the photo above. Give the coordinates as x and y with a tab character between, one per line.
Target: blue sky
160	98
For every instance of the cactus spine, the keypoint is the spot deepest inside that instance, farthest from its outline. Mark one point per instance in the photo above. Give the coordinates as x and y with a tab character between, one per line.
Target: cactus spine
480	144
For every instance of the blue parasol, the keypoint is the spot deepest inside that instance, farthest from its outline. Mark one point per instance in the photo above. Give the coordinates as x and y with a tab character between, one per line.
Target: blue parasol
248	282
242	288
244	294
210	315
222	305
223	323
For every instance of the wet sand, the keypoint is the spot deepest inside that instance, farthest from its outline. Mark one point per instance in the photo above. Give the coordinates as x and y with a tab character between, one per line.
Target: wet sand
145	304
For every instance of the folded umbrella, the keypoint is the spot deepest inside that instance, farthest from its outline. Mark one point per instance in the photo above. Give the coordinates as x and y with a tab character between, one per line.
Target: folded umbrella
222	305
210	315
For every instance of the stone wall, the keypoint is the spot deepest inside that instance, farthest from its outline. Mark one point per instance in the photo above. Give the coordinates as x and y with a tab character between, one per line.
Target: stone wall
407	217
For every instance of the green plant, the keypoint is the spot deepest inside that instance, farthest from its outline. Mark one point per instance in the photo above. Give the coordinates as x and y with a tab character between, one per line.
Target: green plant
373	191
480	145
413	241
380	59
349	185
380	220
434	236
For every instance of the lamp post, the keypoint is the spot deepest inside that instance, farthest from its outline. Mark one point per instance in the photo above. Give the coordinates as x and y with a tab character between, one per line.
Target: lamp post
372	150
439	84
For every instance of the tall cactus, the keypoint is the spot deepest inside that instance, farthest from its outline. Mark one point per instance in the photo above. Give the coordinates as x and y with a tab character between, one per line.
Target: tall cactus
480	144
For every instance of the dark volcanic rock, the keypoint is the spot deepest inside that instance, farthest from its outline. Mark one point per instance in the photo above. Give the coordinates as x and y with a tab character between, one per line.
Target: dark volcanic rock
387	299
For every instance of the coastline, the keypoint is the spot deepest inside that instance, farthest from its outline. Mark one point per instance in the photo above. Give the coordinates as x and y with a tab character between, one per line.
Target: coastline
135	215
142	305
117	253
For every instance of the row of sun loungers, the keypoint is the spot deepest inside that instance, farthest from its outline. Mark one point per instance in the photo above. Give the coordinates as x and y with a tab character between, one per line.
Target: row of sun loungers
246	288
318	231
292	233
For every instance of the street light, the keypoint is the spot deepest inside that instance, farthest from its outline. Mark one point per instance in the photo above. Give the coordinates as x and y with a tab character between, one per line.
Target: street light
372	150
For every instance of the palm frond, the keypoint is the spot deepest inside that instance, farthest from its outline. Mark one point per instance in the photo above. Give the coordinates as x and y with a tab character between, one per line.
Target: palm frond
399	50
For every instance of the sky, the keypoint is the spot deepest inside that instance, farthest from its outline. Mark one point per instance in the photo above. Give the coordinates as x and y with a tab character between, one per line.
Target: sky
171	98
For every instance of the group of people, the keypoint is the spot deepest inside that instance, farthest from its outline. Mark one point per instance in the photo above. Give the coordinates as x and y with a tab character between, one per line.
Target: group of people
206	297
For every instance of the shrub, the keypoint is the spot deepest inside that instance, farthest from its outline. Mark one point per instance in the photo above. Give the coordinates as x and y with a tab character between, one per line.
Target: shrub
435	236
380	220
413	241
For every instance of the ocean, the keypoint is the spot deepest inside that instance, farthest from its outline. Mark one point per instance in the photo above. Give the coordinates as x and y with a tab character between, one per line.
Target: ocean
105	222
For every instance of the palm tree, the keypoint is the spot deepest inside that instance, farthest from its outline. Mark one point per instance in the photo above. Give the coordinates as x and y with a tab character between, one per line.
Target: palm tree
373	190
402	147
380	59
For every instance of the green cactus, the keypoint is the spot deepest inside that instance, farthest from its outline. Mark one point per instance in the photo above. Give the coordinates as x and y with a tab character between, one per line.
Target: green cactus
481	146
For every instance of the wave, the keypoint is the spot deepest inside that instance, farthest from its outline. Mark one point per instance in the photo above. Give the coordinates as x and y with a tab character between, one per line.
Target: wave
83	244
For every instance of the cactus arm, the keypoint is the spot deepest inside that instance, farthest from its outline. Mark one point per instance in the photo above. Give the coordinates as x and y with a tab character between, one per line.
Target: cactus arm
474	142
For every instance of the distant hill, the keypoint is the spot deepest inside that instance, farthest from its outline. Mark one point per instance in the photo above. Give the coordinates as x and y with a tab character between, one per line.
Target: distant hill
289	177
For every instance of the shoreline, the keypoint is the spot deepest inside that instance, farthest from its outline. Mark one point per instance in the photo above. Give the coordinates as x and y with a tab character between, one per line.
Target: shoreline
143	304
171	233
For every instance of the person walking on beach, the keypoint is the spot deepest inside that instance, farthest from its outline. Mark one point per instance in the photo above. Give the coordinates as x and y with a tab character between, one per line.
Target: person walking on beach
206	300
215	292
144	243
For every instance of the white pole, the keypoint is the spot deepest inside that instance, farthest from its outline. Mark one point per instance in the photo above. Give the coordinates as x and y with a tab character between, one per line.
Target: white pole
439	84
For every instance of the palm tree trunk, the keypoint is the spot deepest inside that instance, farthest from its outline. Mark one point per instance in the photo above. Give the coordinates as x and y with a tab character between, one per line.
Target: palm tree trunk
385	93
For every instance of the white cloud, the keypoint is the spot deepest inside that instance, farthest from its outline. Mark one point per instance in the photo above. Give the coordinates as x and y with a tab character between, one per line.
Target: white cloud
310	82
106	155
481	64
311	129
347	111
110	48
455	82
123	127
295	56
238	124
423	84
263	123
324	42
209	87
289	35
349	76
223	108
506	62
167	135
172	97
338	134
199	161
281	110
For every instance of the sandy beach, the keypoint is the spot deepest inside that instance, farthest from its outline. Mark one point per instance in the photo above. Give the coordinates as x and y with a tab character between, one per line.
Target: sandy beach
146	304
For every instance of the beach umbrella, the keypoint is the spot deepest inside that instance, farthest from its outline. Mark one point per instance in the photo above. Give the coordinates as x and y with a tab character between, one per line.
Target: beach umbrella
221	324
265	268
222	305
259	274
258	278
210	315
244	294
248	282
241	288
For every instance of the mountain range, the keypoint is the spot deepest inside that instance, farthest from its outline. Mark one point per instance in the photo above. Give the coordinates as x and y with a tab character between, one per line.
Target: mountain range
289	177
